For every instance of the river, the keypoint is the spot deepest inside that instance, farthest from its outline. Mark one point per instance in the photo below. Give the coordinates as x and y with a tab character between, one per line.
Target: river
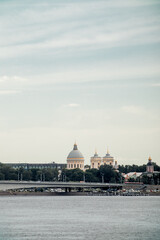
79	217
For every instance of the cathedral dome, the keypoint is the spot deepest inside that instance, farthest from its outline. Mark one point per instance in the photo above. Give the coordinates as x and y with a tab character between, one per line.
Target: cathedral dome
96	155
108	155
149	164
75	154
149	161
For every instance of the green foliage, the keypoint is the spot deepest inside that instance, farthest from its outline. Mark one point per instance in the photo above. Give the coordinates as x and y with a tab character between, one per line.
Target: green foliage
133	168
2	176
156	178
109	174
50	174
9	173
27	175
105	173
136	168
151	179
156	167
72	175
146	179
87	166
131	180
92	175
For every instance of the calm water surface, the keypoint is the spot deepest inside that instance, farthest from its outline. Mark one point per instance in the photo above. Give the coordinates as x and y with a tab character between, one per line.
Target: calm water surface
79	217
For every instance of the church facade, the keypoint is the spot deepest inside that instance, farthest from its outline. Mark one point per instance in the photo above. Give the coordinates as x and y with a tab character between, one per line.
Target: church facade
96	161
149	167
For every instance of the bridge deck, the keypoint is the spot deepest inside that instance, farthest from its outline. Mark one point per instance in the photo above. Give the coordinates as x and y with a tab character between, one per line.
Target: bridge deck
6	185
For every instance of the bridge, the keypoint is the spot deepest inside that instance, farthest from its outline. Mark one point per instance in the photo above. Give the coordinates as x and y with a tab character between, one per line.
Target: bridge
68	186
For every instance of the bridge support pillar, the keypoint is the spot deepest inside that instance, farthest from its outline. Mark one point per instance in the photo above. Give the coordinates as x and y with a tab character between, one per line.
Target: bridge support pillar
67	189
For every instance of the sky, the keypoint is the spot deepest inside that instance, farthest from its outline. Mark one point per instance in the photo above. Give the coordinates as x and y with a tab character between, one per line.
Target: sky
85	71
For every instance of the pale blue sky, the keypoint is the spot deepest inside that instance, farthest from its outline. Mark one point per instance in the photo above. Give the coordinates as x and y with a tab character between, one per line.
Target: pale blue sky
79	70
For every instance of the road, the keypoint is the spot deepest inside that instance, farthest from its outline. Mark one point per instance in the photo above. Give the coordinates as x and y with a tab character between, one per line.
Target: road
7	185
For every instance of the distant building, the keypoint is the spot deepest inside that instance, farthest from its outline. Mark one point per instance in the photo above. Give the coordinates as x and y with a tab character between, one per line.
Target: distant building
149	173
28	166
149	167
153	177
116	165
75	159
132	175
97	161
108	159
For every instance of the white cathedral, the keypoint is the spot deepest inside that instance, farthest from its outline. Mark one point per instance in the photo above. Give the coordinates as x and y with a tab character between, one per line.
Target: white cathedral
75	159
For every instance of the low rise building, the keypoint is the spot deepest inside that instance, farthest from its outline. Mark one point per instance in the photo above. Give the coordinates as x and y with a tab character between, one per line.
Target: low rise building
28	166
132	175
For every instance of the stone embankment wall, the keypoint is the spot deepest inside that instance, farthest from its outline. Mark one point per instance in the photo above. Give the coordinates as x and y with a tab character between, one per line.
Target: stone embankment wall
153	190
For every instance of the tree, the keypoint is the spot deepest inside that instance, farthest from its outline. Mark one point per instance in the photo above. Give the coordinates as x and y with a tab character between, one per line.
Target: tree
109	174
72	175
27	175
7	173
132	168
92	175
146	179
2	176
50	174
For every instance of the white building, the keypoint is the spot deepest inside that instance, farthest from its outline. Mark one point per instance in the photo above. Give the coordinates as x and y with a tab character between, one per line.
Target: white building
97	161
75	159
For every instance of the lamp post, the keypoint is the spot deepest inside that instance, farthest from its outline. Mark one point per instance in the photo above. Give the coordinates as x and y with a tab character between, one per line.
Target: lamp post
121	179
158	181
63	177
102	174
84	177
44	177
41	177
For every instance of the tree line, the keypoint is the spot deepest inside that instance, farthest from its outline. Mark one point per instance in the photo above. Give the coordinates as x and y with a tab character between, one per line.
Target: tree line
9	173
105	173
136	168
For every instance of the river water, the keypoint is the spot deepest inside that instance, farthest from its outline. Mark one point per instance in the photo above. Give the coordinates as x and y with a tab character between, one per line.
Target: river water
79	217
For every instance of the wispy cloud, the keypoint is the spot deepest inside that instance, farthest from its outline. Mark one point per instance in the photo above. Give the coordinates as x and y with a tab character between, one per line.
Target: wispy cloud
106	71
154	84
135	110
104	31
91	41
8	92
12	84
72	105
12	79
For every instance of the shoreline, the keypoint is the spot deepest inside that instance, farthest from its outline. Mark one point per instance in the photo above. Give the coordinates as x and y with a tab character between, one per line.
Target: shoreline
5	193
